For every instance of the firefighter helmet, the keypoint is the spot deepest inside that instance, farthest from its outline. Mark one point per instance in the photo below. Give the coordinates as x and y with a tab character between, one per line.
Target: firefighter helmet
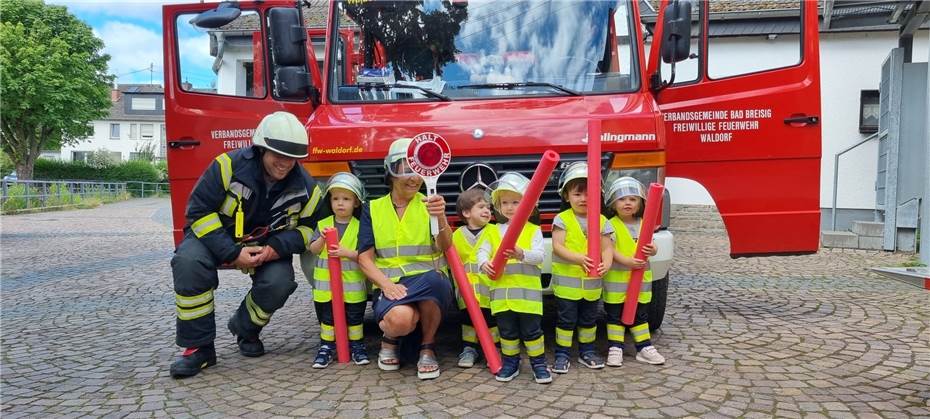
576	170
510	181
624	186
395	163
282	133
349	182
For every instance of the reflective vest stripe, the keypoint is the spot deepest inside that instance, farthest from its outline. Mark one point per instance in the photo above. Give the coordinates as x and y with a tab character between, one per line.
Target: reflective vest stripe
522	269
206	224
519	288
194	300
225	169
516	294
616	280
229	206
569	280
405	251
311	203
346	265
305	233
612	287
347	287
401	243
194	313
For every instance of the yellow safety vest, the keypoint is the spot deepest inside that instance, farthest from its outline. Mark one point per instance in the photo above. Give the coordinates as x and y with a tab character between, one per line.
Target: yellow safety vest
354	285
519	288
468	253
569	280
617	279
404	246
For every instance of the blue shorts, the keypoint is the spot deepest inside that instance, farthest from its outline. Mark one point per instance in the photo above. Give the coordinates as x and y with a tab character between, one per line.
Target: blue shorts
430	285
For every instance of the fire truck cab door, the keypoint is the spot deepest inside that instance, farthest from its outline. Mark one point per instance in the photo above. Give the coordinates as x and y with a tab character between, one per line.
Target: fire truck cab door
752	140
219	83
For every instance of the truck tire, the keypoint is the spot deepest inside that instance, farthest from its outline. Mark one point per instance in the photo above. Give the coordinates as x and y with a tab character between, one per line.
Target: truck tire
657	306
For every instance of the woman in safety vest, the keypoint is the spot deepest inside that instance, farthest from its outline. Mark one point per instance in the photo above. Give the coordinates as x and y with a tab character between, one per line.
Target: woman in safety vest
626	197
346	194
400	256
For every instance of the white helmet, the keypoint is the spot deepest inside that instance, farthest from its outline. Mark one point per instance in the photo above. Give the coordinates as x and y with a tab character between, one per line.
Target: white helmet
349	182
510	181
398	153
282	133
576	170
624	186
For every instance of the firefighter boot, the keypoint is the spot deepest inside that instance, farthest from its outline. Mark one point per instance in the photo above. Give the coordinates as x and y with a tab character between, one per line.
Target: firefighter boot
193	360
247	347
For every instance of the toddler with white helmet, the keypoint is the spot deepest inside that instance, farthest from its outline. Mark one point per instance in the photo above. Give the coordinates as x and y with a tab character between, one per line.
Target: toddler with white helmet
627	198
346	195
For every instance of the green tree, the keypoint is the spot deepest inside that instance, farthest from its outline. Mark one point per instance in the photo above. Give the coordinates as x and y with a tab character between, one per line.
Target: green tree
53	80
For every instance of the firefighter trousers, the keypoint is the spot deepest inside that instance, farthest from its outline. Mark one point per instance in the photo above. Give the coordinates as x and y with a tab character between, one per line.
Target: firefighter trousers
195	278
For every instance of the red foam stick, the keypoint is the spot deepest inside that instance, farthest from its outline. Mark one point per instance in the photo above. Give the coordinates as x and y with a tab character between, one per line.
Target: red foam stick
594	194
533	191
338	301
474	311
650	218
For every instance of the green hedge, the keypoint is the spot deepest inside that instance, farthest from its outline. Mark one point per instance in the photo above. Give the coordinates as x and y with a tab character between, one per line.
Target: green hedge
125	171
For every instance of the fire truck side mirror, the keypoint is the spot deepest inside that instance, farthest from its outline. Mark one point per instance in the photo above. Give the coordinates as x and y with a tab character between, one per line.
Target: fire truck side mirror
222	15
287	38
676	32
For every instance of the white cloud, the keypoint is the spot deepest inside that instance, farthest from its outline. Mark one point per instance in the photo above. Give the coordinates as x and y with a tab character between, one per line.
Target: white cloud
132	47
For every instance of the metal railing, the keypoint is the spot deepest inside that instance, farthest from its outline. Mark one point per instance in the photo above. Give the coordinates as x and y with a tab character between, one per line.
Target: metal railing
836	172
20	195
150	189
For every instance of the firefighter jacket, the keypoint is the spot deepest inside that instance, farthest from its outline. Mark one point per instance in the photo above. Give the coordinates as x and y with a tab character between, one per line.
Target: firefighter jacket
569	280
282	215
618	278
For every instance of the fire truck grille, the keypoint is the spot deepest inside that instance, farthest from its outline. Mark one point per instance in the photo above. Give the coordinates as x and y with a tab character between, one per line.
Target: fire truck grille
371	172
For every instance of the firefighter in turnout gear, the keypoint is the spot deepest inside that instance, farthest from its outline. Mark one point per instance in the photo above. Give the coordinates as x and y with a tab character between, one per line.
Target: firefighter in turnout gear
253	208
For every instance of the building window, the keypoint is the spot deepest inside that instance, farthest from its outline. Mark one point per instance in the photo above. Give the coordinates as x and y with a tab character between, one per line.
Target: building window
81	156
163	147
114	131
143	104
869	111
133	131
148	131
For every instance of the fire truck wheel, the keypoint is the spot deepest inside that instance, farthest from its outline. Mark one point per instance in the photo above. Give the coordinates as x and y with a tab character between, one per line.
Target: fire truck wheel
657	306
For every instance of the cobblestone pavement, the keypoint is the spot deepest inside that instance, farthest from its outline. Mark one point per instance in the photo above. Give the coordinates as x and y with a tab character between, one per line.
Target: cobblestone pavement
88	329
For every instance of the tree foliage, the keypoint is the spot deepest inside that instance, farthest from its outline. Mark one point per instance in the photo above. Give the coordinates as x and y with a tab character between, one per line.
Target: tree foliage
53	79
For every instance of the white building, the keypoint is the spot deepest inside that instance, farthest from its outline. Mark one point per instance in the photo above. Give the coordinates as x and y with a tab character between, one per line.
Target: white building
135	126
854	41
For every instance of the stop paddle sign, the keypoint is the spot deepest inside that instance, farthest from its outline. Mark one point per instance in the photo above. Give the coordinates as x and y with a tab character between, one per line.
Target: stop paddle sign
428	155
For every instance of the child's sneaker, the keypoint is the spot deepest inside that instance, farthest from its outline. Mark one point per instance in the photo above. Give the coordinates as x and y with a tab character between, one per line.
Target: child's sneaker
615	356
650	355
510	369
324	357
468	357
540	370
359	353
591	360
562	362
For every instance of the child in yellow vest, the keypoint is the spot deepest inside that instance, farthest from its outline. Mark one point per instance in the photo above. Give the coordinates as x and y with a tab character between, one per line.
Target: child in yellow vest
576	282
627	198
516	297
346	194
474	209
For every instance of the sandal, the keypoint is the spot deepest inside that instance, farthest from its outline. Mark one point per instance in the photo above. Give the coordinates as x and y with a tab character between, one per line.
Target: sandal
427	365
387	357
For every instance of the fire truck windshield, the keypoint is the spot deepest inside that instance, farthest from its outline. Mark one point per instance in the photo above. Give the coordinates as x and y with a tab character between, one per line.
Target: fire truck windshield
481	49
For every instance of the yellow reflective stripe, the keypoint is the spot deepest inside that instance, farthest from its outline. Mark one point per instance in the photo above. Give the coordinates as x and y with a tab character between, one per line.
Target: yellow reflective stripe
495	334
327	332
356	332
225	169
229	206
311	203
563	337
587	334
535	347
194	313
468	334
256	314
206	224
391	252
510	347
615	332
193	300
640	332
305	233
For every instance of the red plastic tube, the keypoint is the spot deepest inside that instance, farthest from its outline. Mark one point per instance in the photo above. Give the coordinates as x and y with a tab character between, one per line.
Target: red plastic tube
533	191
474	311
338	301
650	218
594	194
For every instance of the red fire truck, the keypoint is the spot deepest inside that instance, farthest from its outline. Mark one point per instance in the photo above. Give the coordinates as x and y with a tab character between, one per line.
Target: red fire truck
502	81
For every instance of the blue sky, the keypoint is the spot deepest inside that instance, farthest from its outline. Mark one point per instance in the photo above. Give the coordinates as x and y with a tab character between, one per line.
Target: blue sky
132	34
